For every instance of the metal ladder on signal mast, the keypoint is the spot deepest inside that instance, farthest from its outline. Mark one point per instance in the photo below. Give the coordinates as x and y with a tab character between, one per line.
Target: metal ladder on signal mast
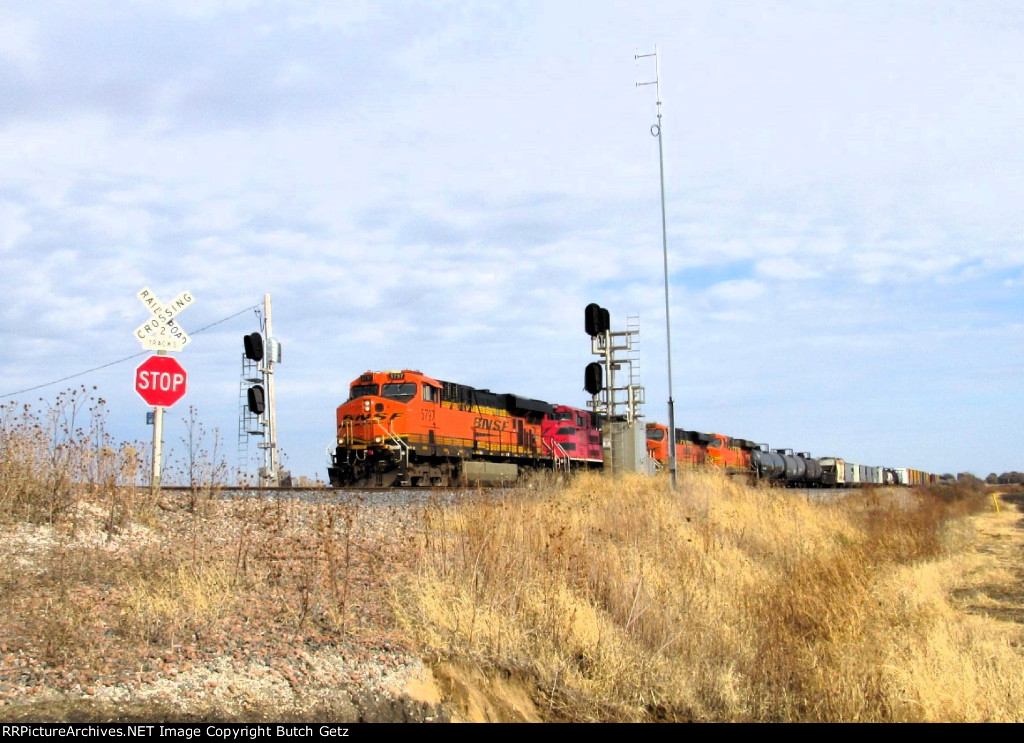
248	422
636	390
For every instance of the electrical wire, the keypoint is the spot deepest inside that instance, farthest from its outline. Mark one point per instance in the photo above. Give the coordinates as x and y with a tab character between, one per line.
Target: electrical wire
120	361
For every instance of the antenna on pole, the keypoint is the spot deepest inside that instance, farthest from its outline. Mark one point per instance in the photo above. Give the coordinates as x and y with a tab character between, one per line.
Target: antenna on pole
271	474
656	132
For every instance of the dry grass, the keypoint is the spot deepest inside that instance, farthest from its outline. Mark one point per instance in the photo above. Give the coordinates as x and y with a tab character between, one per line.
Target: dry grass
612	599
105	587
623	601
54	457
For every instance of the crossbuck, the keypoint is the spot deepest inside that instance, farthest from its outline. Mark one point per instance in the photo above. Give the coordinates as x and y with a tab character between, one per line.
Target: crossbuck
160	332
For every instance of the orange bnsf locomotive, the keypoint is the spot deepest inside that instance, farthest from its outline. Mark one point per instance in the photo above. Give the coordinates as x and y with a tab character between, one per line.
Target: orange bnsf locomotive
695	449
403	428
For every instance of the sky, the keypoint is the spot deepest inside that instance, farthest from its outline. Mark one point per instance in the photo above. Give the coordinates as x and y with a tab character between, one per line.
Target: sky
444	186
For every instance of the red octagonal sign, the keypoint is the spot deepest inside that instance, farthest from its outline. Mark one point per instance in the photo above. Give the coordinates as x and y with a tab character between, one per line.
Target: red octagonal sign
161	381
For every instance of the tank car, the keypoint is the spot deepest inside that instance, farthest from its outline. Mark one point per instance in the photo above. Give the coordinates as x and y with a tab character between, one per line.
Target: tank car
768	465
813	472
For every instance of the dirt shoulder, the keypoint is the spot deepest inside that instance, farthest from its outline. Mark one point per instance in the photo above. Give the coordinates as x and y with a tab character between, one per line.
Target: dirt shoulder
995	584
241	610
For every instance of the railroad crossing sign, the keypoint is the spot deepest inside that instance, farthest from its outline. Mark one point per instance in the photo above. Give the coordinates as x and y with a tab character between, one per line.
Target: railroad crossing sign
161	381
160	332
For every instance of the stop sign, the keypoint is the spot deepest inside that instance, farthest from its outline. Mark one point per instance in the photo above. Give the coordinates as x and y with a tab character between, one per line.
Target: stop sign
160	380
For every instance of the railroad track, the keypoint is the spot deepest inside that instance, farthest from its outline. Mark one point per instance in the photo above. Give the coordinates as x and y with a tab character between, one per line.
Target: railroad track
370	495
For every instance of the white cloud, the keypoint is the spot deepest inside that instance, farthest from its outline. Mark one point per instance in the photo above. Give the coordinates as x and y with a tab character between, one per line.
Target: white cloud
447	186
18	44
13	226
788	269
740	290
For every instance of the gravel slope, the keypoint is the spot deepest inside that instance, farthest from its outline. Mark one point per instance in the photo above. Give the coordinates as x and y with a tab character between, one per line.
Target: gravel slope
85	637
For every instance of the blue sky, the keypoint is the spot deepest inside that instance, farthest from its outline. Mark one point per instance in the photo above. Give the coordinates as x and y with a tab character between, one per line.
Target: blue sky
445	186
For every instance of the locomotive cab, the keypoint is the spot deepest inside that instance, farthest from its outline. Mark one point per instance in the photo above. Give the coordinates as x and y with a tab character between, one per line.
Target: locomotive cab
374	435
726	453
403	428
572	437
690	448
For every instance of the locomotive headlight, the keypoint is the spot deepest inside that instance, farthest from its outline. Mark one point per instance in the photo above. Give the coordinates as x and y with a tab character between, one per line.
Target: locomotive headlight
366	405
379	439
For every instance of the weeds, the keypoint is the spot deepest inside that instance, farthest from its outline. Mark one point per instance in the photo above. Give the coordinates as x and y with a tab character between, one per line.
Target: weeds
624	601
92	565
176	604
205	470
52	456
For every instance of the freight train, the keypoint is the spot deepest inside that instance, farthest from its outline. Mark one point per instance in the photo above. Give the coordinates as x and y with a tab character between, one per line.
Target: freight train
783	466
405	429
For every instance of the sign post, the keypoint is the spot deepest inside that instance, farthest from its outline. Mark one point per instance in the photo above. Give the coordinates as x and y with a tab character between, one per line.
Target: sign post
158	451
160	380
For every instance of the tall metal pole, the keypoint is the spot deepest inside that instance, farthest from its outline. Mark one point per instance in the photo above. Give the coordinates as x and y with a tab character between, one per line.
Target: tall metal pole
268	377
656	132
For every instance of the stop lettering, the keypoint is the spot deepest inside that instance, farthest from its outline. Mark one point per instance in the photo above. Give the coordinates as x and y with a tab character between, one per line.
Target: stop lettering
161	381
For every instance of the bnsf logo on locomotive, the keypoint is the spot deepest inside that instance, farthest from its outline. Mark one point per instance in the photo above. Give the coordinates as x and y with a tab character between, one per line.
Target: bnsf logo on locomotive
489	425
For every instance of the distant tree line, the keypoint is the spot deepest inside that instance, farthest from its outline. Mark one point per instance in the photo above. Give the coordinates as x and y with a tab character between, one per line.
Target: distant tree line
1007	478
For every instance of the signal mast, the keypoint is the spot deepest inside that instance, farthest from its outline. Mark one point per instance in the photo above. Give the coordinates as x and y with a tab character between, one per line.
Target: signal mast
259	413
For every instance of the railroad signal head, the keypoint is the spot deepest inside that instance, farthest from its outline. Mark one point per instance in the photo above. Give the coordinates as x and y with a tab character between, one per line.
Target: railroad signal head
597	319
592	378
256	399
253	346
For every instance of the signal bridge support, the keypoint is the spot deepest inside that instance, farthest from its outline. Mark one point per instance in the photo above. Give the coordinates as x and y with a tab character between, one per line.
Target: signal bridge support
617	402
